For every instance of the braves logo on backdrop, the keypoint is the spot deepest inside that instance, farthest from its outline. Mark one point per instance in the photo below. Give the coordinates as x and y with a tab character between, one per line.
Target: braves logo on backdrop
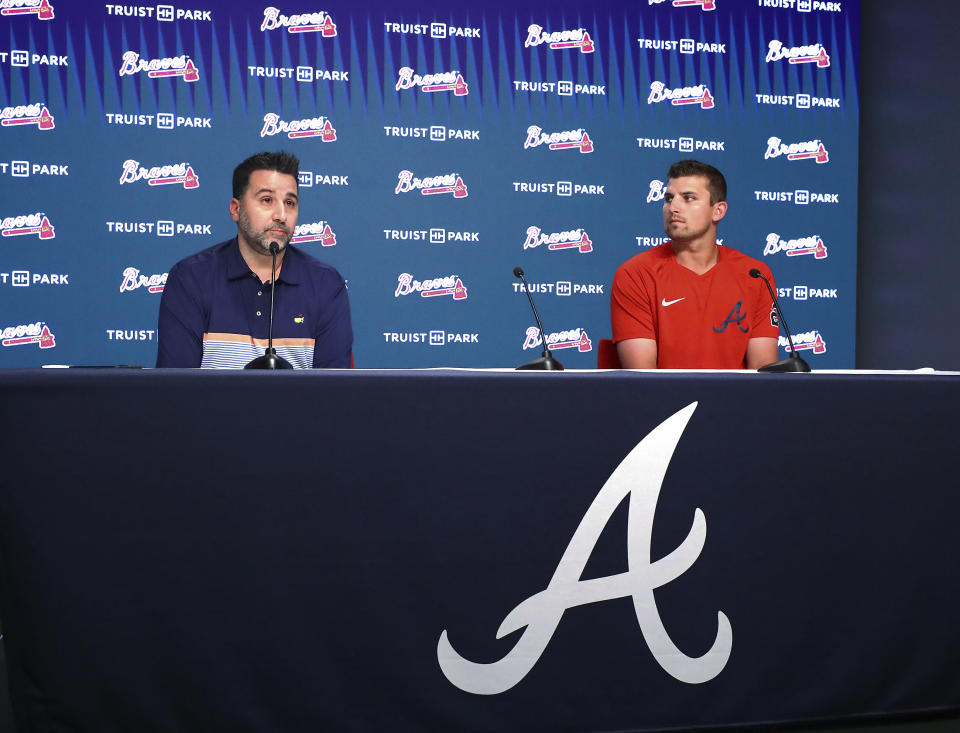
640	476
656	192
566	140
572	239
698	94
572	38
27	114
176	173
809	341
132	280
18	226
181	66
313	127
704	4
318	22
29	333
449	183
447	81
815	54
450	285
812	245
318	231
808	150
574	338
41	8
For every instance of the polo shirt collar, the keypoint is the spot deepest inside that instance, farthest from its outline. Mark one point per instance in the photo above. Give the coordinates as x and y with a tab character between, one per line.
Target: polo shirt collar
290	273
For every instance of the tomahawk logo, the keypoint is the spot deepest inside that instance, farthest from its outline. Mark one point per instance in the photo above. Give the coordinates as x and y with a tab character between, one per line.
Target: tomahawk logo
450	285
314	127
656	192
566	140
159	68
640	476
18	226
815	54
41	8
812	245
29	333
319	22
449	183
574	38
27	114
683	95
133	279
448	81
809	341
704	4
573	239
810	149
318	231
177	173
574	338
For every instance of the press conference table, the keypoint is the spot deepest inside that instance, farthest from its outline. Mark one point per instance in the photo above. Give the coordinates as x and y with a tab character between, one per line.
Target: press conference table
336	551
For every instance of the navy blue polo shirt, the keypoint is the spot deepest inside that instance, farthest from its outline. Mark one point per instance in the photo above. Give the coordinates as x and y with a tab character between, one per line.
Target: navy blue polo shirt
215	312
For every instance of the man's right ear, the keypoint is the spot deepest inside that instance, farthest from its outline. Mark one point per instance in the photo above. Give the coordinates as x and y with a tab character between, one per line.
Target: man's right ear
719	211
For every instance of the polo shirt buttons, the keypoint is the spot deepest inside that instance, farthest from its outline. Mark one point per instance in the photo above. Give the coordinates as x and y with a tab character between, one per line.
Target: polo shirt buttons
259	292
258	313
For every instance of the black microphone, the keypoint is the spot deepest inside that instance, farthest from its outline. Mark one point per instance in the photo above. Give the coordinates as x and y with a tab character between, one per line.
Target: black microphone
793	363
545	362
270	358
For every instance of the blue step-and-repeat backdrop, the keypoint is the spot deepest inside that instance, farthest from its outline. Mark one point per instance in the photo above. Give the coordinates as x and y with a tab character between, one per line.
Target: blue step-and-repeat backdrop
441	145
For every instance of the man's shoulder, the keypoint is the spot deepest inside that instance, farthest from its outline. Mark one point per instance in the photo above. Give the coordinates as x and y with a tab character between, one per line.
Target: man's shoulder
312	267
736	259
205	258
650	259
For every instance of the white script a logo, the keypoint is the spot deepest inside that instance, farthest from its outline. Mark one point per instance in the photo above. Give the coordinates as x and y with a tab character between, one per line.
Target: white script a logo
640	475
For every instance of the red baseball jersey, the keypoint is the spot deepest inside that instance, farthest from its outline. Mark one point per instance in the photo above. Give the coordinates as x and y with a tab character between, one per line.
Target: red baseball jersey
698	321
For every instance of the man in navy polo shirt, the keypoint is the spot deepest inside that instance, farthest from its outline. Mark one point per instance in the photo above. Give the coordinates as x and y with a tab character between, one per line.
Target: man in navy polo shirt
215	309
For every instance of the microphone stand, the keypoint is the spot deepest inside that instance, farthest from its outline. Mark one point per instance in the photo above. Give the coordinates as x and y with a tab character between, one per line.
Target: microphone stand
270	358
792	363
546	362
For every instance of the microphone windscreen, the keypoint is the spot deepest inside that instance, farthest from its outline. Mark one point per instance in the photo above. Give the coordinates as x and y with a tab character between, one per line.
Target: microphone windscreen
518	272
754	272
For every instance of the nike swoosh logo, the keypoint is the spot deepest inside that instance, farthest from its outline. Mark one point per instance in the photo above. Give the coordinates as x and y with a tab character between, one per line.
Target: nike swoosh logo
664	302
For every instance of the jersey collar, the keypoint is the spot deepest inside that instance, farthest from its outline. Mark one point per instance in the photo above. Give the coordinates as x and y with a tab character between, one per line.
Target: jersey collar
290	273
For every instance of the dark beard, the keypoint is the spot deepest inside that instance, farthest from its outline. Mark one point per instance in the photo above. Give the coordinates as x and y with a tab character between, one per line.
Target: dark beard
260	241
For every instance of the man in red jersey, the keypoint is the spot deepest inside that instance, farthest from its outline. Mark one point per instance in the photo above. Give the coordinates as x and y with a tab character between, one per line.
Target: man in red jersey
689	303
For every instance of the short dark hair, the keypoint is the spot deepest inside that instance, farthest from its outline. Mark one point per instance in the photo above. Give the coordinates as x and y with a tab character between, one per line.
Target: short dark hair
716	183
281	162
